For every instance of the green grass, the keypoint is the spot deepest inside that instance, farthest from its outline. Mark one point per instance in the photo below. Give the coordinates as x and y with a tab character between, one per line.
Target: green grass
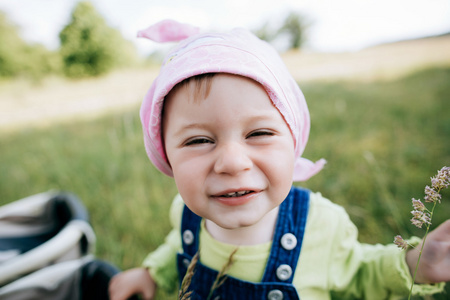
403	126
382	140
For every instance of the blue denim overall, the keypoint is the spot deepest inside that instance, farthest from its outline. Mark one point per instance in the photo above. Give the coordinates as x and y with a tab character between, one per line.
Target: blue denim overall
276	283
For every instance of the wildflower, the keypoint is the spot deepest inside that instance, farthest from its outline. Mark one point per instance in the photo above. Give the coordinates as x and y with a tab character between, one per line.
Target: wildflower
442	179
418	205
400	242
417	214
420	216
417	223
431	195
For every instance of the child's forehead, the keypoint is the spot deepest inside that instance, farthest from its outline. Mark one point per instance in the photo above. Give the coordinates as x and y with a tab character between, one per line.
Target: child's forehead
208	86
200	87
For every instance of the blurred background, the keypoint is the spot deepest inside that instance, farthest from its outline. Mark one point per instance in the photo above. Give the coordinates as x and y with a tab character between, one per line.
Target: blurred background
72	74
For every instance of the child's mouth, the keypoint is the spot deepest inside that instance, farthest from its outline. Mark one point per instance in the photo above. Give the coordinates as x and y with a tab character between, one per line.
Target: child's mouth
236	194
240	197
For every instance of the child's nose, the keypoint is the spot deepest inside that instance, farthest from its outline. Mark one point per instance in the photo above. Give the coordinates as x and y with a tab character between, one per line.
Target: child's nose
232	159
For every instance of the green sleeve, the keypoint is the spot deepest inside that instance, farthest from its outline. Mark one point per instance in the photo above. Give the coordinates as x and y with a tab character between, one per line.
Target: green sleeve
362	271
161	263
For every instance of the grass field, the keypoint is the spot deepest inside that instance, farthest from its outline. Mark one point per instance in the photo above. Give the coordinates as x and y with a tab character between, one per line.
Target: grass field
382	139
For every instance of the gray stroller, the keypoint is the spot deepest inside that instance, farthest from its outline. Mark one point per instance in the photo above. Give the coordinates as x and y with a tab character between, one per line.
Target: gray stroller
46	251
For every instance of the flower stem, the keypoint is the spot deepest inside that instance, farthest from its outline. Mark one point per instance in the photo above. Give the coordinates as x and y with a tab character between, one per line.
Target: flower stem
421	249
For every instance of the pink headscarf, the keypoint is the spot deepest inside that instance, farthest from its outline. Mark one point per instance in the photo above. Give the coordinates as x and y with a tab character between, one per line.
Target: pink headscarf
237	52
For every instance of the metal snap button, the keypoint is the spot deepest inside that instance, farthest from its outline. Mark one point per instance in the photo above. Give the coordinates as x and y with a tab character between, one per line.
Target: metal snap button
284	272
188	237
288	241
186	262
275	295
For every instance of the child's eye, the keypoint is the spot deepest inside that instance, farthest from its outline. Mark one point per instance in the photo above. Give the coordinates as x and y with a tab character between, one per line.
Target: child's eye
257	133
197	141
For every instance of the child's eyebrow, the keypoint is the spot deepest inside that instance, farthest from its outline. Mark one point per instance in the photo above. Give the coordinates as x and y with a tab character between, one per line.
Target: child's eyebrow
192	126
263	117
186	127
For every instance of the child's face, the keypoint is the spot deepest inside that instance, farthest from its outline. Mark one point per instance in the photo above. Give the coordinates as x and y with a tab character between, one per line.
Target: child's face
232	154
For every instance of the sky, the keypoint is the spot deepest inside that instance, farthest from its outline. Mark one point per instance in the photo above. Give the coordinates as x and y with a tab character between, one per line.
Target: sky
335	25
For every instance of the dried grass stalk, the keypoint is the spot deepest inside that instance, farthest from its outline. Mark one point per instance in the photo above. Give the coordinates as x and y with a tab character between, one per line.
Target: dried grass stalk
221	277
184	293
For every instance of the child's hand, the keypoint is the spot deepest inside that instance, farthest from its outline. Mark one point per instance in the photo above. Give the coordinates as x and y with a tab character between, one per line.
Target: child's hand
435	261
132	282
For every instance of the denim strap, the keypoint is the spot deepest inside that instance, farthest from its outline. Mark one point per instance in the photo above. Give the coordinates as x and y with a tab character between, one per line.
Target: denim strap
291	219
190	222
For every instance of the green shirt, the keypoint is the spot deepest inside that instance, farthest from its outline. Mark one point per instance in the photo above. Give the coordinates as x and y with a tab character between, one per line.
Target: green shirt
332	262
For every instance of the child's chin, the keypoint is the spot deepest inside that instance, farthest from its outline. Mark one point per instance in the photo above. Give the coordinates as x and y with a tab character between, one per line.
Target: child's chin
240	223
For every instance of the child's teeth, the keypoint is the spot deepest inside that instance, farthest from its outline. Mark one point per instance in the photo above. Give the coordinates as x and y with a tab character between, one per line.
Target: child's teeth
230	195
236	194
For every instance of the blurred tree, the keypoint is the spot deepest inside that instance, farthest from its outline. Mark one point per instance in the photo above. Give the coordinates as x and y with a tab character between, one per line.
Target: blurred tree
89	47
40	61
294	26
289	33
265	32
11	46
17	58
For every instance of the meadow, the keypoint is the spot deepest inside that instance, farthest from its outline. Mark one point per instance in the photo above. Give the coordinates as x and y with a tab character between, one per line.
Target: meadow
383	140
